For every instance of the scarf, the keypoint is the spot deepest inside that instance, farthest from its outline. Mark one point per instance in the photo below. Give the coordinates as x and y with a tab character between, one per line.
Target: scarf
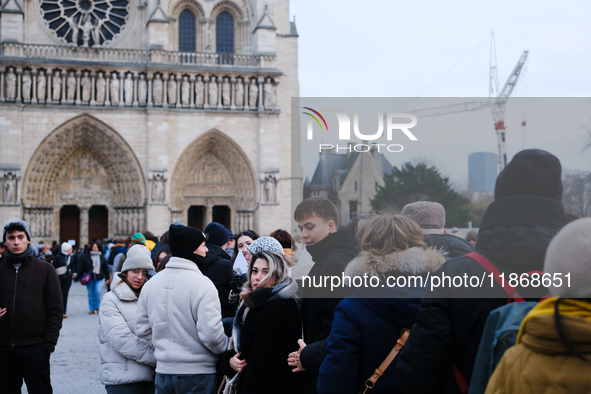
568	307
19	258
96	262
256	299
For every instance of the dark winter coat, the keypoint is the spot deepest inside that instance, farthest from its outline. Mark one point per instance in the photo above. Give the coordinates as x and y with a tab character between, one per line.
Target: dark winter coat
366	329
32	297
85	267
452	245
514	235
330	256
270	332
61	260
218	268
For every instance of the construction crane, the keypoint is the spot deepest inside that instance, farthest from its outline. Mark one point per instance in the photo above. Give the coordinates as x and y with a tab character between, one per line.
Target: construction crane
497	106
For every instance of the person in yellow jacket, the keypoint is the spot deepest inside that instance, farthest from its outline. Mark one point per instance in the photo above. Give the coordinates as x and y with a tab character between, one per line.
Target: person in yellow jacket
553	351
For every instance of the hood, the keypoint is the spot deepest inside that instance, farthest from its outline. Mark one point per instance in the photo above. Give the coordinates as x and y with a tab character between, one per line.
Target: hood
515	231
413	261
214	253
122	289
344	241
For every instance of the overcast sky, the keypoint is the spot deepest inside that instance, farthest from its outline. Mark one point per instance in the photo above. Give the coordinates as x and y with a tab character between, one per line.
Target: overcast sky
442	49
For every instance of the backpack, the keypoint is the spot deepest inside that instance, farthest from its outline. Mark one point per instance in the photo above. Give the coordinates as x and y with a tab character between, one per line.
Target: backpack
500	332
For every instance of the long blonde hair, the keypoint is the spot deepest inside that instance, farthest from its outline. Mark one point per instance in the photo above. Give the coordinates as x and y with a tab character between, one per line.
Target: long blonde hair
384	234
278	271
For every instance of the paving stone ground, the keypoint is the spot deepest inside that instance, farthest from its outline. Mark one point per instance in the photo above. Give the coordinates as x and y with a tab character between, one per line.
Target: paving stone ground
75	364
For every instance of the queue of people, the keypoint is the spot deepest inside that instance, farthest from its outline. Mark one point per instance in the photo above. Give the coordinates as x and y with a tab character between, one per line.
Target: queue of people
177	319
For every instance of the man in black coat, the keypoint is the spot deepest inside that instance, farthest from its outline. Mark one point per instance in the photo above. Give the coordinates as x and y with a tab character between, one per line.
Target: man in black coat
331	251
431	218
218	265
30	314
514	235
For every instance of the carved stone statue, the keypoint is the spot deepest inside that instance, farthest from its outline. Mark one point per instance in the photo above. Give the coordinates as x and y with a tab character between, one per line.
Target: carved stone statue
71	86
10	84
268	97
56	86
128	88
74	27
209	36
142	89
96	32
41	84
85	84
85	25
10	188
172	90
213	92
158	188
114	88
157	90
185	91
226	92
26	86
253	94
270	189
101	85
239	93
199	88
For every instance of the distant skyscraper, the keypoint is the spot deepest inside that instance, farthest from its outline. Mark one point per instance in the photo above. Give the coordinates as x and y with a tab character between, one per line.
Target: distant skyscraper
482	171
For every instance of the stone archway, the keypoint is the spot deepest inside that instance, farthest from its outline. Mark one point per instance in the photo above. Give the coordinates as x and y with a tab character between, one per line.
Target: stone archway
214	171
84	163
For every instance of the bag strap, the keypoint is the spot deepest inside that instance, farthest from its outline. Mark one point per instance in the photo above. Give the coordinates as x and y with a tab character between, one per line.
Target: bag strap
487	265
462	384
371	382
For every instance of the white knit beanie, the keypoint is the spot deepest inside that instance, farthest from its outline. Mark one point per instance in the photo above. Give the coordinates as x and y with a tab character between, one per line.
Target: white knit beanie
138	257
65	247
430	216
569	252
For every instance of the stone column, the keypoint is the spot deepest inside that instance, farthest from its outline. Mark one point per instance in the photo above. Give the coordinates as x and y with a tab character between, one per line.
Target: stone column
206	92
208	214
34	95
165	91
92	89
136	103
261	81
19	72
121	83
192	92
232	95
277	109
78	95
84	225
107	102
64	99
2	71
150	103
220	81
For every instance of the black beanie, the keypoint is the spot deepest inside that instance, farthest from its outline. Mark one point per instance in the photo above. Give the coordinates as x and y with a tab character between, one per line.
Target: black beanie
216	234
184	240
531	172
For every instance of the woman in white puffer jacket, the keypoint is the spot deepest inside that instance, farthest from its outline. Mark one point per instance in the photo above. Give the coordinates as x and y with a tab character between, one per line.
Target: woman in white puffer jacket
127	362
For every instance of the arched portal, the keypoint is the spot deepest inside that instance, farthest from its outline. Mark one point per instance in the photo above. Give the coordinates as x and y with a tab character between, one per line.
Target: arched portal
84	163
214	171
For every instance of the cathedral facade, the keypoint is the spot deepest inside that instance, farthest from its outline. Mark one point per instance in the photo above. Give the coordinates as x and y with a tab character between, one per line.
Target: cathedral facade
119	116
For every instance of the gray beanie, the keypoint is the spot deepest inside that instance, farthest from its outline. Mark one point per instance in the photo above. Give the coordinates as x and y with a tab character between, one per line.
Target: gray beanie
569	252
430	216
138	257
265	243
24	224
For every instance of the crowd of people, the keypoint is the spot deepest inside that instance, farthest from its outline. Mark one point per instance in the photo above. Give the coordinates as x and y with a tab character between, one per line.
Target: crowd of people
180	317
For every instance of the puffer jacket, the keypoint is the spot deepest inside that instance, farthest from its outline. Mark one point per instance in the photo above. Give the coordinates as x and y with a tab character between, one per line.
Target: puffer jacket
451	245
541	363
125	358
365	330
185	319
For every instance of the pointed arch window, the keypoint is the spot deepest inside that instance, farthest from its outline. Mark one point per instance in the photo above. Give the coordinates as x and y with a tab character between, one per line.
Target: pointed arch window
187	31
224	33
